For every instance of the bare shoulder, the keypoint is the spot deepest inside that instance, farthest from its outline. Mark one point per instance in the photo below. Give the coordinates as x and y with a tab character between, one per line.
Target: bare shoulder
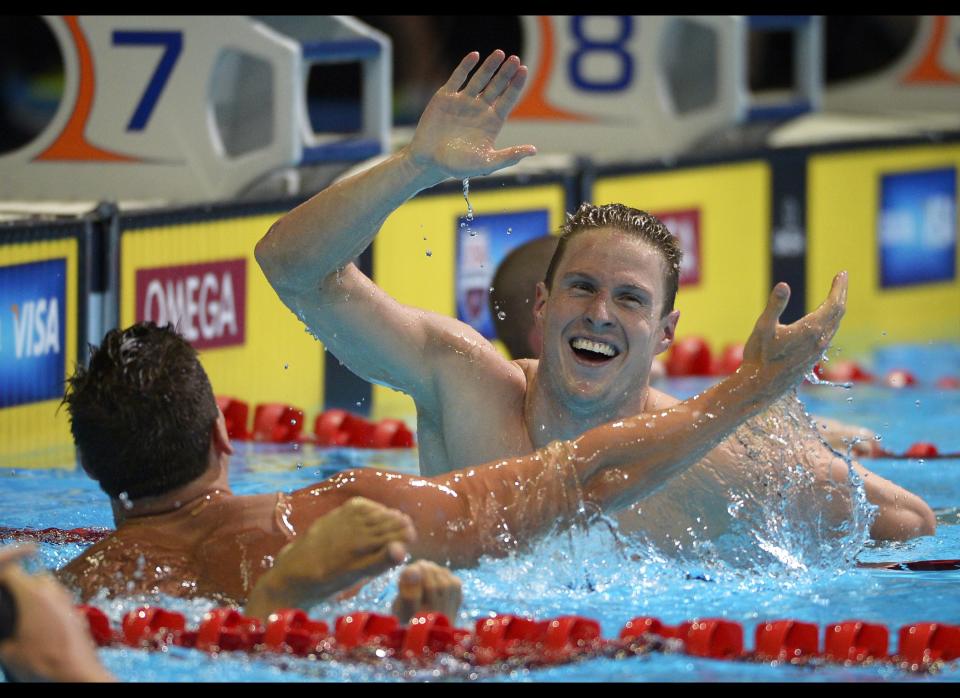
659	400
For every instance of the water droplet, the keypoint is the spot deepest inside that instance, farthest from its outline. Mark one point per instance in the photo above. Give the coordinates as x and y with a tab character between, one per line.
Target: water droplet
850	398
125	501
299	465
883	334
293	422
509	231
429	253
878	437
424	238
501	315
917	403
286	366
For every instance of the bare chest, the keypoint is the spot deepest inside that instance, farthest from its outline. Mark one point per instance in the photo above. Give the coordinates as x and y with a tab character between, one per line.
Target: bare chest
474	425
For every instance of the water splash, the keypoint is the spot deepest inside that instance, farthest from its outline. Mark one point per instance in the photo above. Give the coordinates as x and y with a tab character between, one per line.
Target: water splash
790	504
469	217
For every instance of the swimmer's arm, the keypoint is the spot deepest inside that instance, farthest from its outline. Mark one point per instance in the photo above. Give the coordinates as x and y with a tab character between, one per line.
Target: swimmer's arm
627	460
305	254
901	514
455	138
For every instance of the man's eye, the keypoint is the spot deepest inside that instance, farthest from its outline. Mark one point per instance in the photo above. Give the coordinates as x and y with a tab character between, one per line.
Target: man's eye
581	286
632	300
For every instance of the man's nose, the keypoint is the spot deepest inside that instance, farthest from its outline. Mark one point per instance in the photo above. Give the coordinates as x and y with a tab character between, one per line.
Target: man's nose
598	312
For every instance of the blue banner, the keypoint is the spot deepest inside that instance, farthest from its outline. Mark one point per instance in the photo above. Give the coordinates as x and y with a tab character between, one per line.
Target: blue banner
32	332
481	246
917	229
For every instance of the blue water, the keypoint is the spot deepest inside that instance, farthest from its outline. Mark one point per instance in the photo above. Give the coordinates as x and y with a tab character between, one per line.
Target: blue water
591	573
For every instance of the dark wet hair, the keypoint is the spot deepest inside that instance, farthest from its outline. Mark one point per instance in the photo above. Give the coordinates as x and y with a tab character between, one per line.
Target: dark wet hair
514	290
142	413
631	221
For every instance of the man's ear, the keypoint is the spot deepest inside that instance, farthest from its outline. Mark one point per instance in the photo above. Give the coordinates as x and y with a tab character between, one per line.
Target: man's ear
668	325
219	438
539	302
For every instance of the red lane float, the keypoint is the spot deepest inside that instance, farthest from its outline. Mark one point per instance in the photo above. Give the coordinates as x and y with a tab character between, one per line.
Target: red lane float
929	642
842	371
856	641
785	640
729	361
949	383
689	356
277	423
236	414
512	640
921	449
341	428
56	536
900	378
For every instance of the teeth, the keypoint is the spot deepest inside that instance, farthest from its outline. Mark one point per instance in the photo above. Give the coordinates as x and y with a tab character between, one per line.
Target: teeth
596	347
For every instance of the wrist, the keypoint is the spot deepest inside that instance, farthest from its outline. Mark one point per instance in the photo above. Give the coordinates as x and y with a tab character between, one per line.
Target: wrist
422	172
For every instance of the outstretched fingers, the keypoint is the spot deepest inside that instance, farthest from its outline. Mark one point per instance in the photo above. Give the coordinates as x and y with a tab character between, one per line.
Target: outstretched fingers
827	316
460	73
499	83
486	71
770	317
511	94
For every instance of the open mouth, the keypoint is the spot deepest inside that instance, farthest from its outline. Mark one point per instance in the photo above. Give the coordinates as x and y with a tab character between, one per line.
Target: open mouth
593	352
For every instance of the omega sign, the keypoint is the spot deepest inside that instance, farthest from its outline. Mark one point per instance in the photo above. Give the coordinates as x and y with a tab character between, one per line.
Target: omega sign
205	302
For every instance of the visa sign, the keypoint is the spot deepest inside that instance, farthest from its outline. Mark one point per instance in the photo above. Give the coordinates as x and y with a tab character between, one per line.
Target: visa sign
205	302
32	301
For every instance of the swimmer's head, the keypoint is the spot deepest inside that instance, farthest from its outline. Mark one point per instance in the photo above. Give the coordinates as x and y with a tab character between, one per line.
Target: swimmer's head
605	310
142	413
514	293
630	221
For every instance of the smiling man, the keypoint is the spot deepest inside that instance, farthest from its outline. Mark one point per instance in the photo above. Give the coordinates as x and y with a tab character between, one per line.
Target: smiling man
605	310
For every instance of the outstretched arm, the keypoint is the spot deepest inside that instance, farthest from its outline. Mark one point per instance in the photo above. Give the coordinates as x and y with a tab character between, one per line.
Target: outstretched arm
775	360
493	508
306	254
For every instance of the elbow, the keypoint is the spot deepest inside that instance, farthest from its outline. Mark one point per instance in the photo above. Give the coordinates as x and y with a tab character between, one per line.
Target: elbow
927	521
905	523
264	253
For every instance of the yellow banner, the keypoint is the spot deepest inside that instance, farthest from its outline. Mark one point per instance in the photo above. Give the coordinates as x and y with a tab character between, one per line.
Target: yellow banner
204	275
725	209
844	201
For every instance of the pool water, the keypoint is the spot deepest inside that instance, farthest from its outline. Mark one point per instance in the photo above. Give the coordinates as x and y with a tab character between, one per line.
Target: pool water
592	573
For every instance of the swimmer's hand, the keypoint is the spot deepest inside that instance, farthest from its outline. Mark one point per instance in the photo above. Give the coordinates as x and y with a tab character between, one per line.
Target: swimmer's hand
51	641
425	586
358	539
784	354
458	129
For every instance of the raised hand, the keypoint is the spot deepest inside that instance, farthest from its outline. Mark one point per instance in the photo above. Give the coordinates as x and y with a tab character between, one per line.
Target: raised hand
458	129
787	353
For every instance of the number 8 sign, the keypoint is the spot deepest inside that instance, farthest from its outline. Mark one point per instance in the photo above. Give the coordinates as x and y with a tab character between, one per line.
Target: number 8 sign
628	88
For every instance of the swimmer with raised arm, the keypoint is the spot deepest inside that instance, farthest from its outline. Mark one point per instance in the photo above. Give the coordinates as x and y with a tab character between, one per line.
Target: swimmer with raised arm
148	430
604	315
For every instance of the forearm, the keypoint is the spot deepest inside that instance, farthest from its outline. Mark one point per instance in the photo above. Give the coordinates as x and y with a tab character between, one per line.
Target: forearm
624	461
329	230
